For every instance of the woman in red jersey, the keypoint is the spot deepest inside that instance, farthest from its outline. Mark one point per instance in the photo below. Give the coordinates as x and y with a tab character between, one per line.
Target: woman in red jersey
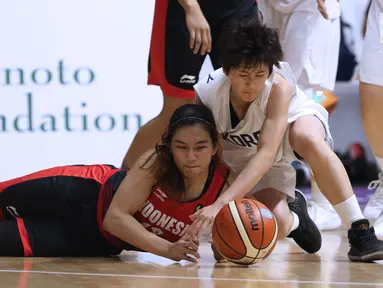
99	210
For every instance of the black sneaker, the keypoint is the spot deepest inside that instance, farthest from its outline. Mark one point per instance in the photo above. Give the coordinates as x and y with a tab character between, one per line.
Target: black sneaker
364	246
307	235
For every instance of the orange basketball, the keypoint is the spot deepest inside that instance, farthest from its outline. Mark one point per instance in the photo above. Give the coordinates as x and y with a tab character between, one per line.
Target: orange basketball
245	231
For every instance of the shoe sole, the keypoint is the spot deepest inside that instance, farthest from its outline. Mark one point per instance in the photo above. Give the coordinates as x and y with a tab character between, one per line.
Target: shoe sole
310	221
376	256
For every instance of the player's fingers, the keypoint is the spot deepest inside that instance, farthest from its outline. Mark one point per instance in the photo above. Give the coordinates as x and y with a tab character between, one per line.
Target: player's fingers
208	35
196	240
194	228
192	246
203	226
195	215
192	39
188	258
197	43
205	43
188	251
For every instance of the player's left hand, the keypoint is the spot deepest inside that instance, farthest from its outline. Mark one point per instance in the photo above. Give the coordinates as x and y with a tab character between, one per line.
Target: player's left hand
202	219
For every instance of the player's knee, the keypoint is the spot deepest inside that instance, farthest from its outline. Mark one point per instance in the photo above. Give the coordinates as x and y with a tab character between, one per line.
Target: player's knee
305	143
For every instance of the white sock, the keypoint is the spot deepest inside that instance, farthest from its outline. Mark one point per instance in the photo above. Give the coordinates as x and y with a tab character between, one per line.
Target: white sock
380	163
349	210
295	222
316	194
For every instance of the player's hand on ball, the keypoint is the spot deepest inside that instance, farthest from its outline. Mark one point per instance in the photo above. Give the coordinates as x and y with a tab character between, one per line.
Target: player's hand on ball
183	249
199	29
217	256
203	219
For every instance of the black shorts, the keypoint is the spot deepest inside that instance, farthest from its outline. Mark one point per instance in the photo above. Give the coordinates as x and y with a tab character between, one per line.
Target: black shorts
172	64
54	213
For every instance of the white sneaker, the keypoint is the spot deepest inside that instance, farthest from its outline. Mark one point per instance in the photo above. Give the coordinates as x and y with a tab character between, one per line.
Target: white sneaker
374	205
324	216
378	226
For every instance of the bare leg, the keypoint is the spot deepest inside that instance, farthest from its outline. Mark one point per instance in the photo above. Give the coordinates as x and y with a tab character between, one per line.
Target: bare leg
149	134
371	102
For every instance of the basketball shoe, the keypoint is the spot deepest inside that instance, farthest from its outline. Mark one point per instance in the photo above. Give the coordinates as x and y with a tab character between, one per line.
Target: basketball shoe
307	235
374	205
364	245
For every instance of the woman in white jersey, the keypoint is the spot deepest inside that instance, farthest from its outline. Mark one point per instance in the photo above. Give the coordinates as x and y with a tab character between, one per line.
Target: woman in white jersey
267	122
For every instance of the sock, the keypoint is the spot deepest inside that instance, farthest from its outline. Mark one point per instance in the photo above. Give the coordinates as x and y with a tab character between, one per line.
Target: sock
349	210
295	222
316	194
380	163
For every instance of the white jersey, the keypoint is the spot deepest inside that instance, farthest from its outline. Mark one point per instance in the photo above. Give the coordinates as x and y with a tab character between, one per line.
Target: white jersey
240	142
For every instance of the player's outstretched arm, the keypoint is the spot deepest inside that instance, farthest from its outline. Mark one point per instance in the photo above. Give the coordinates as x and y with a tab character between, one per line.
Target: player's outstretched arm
130	197
270	138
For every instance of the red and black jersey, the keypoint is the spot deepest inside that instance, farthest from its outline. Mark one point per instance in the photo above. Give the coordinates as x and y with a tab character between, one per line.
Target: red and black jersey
161	214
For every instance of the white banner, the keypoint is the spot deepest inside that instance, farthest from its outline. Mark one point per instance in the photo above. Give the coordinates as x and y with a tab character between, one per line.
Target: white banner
72	81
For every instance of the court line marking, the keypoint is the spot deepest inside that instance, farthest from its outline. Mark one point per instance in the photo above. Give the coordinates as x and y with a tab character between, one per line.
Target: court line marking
189	278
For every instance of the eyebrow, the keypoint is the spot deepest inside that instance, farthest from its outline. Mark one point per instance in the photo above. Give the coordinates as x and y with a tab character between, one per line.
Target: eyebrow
199	142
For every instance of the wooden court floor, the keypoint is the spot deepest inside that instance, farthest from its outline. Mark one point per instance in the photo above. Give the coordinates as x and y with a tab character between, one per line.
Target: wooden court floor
286	267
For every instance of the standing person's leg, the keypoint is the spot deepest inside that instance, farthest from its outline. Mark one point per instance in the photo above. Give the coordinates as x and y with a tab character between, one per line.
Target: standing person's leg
309	136
174	67
312	52
371	100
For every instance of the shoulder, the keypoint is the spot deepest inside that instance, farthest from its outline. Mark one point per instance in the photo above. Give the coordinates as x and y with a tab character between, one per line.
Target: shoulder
209	88
280	91
211	82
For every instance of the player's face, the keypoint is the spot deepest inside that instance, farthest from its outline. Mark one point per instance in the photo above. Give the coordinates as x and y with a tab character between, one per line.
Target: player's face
246	84
192	150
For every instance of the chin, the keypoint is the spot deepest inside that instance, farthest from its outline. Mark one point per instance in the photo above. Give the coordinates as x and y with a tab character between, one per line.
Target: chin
248	97
189	173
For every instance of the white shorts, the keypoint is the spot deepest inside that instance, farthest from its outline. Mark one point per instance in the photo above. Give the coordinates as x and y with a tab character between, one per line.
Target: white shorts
280	177
310	43
371	67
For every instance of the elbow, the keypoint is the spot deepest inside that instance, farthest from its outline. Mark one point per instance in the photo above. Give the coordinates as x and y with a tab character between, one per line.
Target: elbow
110	222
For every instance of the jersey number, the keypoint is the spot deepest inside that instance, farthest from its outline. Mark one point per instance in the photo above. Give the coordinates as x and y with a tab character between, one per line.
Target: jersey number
154	230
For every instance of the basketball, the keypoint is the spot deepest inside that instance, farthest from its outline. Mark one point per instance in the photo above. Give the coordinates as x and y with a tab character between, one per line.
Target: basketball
245	231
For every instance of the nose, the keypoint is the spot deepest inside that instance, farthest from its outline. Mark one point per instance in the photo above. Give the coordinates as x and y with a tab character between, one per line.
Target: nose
191	156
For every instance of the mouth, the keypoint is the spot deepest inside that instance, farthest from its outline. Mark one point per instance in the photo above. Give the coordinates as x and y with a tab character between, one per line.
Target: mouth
191	167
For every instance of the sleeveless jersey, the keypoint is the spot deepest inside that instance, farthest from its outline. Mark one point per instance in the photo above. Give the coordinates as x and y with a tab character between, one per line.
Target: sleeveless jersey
240	142
161	214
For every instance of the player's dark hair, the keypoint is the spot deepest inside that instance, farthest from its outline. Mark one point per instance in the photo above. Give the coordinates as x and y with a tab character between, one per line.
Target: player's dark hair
164	168
249	43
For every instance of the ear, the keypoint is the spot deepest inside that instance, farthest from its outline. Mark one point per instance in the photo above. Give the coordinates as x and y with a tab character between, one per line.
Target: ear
215	151
225	71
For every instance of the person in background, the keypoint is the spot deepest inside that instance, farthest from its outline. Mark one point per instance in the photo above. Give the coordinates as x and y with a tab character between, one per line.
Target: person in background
309	33
183	33
371	100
